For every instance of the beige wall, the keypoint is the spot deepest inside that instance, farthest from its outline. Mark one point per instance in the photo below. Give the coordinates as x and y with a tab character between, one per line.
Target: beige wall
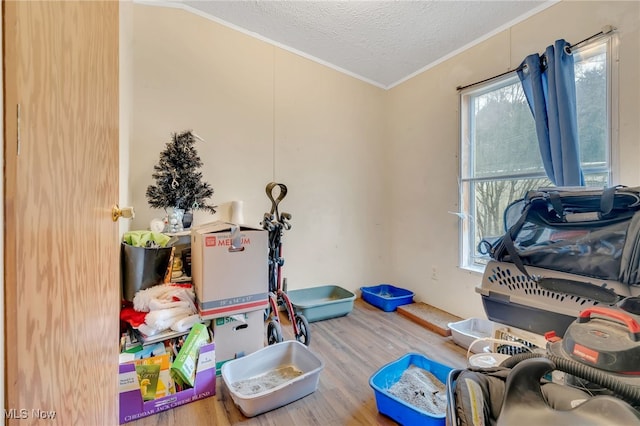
266	114
372	175
423	147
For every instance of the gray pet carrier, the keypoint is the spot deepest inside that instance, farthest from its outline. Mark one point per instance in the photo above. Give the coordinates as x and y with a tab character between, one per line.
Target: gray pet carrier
565	249
513	298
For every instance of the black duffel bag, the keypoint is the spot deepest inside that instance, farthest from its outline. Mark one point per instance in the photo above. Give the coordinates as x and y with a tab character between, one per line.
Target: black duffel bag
584	231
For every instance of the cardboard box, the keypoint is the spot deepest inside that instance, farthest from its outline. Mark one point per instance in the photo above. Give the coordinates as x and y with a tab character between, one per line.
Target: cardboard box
238	336
165	385
132	406
229	266
184	366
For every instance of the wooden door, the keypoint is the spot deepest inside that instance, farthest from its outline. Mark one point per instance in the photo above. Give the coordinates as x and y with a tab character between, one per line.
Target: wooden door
61	246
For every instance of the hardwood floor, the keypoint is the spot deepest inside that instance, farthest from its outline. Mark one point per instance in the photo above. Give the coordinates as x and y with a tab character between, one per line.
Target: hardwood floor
352	348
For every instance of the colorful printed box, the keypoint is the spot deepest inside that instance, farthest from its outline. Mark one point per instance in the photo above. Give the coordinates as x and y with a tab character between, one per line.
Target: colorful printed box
132	406
183	369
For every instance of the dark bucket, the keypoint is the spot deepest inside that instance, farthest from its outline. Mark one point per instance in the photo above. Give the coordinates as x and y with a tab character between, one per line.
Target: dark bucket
142	268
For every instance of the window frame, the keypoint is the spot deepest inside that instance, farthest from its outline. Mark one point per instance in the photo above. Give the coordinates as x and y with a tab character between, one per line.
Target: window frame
467	254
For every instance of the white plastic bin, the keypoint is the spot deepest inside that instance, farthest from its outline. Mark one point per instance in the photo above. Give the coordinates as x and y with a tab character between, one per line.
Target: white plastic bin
465	332
290	353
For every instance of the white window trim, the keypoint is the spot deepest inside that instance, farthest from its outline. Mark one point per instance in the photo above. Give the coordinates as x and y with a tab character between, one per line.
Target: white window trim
465	262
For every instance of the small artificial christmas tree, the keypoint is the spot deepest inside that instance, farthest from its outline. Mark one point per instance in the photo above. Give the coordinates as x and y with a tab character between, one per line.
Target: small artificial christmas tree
178	182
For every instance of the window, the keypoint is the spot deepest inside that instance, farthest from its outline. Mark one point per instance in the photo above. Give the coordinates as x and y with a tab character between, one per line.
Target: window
499	158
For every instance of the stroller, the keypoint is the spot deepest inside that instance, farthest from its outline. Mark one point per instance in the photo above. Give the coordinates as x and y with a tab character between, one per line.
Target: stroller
276	223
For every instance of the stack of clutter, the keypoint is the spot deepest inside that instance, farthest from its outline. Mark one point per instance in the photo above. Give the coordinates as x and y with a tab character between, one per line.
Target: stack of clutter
167	354
158	320
161	310
195	325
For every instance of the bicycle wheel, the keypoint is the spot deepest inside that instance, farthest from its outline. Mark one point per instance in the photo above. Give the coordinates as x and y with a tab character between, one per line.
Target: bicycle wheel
274	332
304	334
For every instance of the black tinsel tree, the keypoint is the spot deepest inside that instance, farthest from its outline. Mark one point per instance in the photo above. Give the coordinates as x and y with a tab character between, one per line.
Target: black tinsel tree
178	182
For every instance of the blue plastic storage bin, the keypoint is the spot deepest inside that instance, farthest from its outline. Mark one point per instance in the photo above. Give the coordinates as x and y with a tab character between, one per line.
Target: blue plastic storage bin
397	409
386	296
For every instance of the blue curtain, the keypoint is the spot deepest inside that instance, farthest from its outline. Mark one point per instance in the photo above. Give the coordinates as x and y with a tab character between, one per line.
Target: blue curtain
550	87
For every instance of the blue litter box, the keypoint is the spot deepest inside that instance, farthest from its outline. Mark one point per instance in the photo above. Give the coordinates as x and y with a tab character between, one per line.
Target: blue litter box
320	303
397	409
386	296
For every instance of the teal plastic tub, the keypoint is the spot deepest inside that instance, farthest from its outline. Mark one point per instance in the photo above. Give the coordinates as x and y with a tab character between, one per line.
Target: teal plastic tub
321	303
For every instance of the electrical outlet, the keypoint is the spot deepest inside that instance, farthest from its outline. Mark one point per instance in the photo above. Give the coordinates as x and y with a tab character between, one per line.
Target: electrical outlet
434	273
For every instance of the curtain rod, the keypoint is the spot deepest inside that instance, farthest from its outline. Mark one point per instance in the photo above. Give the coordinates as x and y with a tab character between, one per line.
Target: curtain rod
605	30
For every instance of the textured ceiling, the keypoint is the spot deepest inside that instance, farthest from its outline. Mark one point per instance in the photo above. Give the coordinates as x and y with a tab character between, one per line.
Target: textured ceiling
381	42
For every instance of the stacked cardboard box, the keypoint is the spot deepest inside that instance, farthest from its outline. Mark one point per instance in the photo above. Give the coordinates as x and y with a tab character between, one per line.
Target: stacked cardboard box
229	266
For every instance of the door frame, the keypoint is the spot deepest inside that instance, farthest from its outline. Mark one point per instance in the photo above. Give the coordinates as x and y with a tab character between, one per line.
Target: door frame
2	324
106	138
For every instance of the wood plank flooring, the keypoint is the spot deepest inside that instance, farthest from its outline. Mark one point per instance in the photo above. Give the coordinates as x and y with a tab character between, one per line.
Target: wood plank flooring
352	348
429	316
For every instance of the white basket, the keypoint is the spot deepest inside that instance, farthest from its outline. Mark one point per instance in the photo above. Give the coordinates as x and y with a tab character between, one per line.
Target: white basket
290	353
466	331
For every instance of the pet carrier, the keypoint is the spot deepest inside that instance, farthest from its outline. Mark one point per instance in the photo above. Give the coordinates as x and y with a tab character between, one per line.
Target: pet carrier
589	232
564	250
512	298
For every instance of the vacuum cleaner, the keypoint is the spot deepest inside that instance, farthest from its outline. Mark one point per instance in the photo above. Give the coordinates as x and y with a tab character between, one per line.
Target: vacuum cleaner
598	357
